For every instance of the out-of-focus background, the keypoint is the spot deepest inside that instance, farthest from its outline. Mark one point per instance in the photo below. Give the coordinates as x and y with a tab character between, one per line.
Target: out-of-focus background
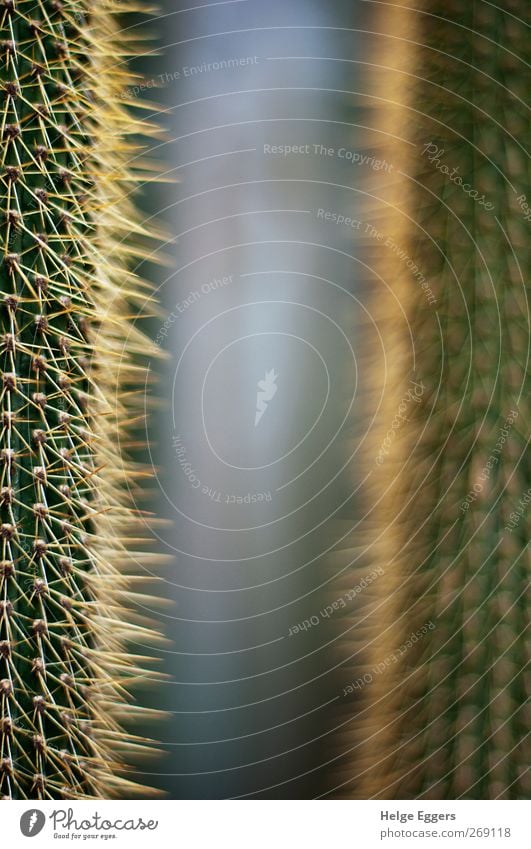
264	110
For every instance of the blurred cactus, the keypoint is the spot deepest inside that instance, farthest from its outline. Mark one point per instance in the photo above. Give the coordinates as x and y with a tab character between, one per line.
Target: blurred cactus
70	369
445	718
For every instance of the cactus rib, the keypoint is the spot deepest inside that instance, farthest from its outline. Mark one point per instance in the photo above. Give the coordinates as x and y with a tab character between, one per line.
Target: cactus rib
70	354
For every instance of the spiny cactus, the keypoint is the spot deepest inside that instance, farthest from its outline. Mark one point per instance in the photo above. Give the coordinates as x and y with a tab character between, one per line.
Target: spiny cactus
70	362
446	720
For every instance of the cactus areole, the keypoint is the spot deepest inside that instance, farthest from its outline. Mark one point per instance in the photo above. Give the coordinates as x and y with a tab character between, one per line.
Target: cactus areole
69	353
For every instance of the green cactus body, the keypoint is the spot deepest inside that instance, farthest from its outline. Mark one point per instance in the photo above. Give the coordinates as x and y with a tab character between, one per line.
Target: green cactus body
68	355
447	720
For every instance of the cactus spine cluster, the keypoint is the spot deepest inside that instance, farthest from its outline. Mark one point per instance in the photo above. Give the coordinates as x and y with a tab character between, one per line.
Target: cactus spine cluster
69	360
446	718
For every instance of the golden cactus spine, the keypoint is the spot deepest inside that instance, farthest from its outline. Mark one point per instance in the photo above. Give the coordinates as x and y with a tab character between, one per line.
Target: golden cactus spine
445	717
70	361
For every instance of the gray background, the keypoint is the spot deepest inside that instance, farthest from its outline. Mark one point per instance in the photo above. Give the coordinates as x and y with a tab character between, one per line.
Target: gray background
252	711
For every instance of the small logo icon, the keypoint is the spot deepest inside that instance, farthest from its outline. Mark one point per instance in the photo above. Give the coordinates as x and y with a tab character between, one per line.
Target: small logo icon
266	391
32	822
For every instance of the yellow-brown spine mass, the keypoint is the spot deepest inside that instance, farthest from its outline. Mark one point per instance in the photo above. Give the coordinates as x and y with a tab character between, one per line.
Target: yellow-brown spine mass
445	716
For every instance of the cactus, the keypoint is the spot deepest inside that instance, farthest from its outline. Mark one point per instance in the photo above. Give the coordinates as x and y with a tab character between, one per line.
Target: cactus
70	364
444	717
